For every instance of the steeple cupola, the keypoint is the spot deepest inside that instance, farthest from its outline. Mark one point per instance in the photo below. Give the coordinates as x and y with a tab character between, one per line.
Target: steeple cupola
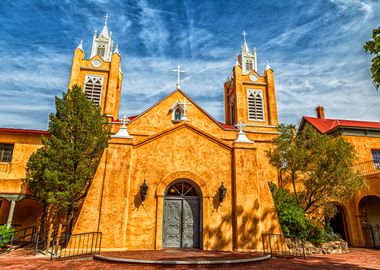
102	45
247	59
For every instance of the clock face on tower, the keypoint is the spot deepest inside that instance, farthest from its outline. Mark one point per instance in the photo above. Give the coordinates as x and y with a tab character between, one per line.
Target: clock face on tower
253	77
96	63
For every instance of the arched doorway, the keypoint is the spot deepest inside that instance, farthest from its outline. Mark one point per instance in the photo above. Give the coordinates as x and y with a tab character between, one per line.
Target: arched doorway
182	215
369	209
338	223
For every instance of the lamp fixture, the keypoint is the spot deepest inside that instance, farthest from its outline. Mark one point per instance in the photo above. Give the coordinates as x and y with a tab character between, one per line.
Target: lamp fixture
222	192
143	191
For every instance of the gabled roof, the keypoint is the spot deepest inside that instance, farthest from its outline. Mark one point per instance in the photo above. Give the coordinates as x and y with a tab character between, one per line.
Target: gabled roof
328	125
223	126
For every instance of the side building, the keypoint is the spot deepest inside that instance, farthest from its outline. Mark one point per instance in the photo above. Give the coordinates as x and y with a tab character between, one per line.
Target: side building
358	220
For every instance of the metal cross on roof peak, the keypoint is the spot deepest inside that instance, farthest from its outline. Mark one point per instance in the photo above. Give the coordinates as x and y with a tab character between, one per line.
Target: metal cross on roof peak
179	71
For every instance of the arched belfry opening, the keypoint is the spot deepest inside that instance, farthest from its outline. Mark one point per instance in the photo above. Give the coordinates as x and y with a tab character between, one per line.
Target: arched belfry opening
182	215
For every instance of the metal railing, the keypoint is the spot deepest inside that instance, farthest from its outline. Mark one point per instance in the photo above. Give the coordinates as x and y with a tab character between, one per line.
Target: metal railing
279	245
5	167
17	238
368	167
76	245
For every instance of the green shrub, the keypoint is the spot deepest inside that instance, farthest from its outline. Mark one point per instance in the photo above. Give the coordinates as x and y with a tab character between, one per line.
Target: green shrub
5	234
330	235
292	216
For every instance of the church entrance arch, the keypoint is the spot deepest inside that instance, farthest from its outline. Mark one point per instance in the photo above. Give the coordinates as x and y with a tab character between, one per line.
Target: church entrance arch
182	215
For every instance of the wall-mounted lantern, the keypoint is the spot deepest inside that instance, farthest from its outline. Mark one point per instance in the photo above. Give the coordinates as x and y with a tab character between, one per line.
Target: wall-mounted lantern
222	192
143	191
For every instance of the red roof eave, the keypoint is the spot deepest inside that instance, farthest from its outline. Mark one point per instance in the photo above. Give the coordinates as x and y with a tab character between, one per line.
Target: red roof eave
24	131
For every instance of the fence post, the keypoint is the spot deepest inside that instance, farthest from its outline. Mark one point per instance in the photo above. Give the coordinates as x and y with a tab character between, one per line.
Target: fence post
270	245
49	238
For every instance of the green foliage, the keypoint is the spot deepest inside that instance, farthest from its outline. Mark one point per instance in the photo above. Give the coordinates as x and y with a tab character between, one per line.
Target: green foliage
330	235
5	234
60	172
373	47
322	162
289	155
292	217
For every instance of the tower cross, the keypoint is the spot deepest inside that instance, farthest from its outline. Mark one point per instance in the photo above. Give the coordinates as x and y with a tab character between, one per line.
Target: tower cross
107	18
179	71
244	35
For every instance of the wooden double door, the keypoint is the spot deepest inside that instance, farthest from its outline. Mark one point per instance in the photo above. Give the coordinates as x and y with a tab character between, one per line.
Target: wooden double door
181	224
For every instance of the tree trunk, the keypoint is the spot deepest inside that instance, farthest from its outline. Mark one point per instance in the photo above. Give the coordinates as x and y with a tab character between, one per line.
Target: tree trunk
294	186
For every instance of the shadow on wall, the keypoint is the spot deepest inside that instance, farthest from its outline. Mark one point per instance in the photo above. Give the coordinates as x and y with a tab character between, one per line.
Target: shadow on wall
248	228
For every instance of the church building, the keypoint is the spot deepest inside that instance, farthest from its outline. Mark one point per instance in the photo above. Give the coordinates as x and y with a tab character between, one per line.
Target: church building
171	176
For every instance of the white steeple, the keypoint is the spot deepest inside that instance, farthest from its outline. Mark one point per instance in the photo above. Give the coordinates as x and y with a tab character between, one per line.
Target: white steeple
80	46
247	59
102	45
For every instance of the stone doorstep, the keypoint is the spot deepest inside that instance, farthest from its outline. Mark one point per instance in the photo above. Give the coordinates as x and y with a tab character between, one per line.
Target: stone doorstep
180	262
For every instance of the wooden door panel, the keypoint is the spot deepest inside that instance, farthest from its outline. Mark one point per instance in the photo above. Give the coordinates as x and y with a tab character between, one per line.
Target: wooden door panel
172	223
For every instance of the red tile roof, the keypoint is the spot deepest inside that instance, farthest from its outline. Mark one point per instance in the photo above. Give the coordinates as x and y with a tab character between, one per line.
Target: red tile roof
326	125
30	131
227	126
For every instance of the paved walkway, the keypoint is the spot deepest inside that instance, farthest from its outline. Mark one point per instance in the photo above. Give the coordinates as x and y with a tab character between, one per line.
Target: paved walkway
355	259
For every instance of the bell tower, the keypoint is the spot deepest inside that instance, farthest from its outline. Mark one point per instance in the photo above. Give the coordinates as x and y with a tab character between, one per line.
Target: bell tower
100	76
249	97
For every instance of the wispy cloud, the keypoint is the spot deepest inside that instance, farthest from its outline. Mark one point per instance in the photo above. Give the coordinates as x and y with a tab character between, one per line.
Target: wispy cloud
315	50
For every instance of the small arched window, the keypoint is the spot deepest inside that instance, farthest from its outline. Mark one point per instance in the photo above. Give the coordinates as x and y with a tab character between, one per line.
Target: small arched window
178	114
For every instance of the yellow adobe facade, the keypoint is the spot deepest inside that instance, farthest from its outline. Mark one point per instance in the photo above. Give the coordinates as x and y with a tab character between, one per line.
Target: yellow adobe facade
207	181
358	220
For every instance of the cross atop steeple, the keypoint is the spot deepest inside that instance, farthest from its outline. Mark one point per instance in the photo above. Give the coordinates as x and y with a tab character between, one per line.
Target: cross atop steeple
106	19
179	71
244	35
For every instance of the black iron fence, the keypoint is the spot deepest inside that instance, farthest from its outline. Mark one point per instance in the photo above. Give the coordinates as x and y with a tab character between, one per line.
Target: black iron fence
279	245
76	245
15	238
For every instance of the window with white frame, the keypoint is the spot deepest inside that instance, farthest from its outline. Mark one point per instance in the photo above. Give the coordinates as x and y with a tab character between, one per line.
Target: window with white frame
93	88
376	158
255	105
6	152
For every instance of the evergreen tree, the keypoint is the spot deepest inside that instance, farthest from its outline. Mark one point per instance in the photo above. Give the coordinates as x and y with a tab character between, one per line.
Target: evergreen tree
373	47
59	174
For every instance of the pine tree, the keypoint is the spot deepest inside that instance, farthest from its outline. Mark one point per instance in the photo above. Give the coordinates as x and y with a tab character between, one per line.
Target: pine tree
59	174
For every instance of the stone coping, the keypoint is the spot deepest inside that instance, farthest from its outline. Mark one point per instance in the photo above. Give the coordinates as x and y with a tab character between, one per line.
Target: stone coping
181	257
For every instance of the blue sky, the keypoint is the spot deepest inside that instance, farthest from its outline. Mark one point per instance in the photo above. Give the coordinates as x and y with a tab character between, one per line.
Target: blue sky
314	47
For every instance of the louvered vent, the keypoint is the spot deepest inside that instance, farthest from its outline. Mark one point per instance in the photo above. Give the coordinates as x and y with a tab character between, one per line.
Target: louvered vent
255	105
93	88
